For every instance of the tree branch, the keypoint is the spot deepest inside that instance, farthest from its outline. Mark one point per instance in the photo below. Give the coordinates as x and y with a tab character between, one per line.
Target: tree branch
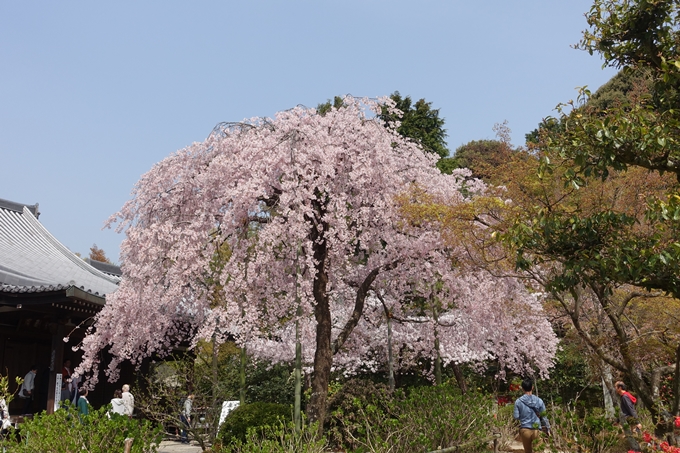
359	302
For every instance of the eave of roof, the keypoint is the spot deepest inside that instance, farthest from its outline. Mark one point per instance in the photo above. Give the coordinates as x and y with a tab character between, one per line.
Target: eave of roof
19	207
33	261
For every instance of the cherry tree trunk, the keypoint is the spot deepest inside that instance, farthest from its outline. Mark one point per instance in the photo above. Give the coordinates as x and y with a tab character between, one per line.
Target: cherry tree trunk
323	357
458	373
390	355
323	360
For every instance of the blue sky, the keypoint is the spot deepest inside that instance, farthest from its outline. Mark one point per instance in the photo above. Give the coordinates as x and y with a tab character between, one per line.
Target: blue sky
92	94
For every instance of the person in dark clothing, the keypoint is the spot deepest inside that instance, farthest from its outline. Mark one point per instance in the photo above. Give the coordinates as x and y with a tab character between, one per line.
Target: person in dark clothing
628	406
529	410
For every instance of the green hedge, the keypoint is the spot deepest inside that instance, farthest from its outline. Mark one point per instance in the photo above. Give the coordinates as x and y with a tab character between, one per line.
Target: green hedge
252	416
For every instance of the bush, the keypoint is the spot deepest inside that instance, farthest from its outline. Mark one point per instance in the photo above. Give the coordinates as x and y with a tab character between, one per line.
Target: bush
584	429
65	432
345	423
270	383
281	438
431	418
366	417
254	416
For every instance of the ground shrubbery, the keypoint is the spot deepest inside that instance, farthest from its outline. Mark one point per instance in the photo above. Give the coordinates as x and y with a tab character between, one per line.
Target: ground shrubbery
366	417
252	417
585	429
279	438
66	432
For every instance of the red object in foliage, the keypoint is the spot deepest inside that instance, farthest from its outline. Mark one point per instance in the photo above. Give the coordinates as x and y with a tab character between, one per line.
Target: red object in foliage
663	446
503	400
677	422
514	387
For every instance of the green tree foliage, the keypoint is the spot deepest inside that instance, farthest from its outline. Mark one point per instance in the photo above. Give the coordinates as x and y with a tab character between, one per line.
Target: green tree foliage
420	122
326	106
641	38
623	91
264	382
482	157
598	243
447	164
642	131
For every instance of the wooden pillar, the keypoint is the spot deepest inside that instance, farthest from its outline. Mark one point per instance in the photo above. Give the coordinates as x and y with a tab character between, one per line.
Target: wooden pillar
56	362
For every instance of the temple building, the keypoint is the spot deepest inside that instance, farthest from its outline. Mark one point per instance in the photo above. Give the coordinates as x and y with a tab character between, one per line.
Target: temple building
46	294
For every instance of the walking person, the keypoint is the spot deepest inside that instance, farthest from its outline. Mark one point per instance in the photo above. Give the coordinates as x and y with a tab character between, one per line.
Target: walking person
628	412
74	387
83	403
528	410
65	394
27	390
185	418
66	371
128	401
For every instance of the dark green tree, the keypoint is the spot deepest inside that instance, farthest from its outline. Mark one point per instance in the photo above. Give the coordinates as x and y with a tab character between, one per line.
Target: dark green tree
420	122
326	106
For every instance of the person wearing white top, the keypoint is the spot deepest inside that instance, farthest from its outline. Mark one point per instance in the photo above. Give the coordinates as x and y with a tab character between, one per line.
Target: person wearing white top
117	403
185	418
5	422
27	389
128	401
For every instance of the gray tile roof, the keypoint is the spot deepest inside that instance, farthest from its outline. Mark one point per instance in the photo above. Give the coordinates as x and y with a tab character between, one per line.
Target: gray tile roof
33	261
107	268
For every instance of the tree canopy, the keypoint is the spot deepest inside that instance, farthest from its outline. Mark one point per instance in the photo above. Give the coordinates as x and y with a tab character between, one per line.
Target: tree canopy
418	121
98	254
307	207
604	217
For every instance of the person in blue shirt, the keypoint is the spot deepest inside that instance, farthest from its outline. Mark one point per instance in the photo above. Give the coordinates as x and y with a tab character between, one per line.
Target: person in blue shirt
528	408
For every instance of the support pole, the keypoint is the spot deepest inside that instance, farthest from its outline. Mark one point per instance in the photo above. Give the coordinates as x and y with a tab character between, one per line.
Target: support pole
56	361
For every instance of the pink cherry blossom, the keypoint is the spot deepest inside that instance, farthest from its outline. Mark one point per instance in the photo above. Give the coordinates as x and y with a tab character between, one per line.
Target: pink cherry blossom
305	205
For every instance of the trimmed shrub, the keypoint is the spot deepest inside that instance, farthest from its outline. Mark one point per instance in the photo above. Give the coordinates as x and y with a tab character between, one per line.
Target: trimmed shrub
254	416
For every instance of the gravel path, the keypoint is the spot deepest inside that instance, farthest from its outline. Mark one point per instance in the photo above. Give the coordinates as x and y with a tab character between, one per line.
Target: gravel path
173	446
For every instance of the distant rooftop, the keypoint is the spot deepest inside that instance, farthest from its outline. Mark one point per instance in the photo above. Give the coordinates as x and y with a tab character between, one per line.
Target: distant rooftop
32	260
107	268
